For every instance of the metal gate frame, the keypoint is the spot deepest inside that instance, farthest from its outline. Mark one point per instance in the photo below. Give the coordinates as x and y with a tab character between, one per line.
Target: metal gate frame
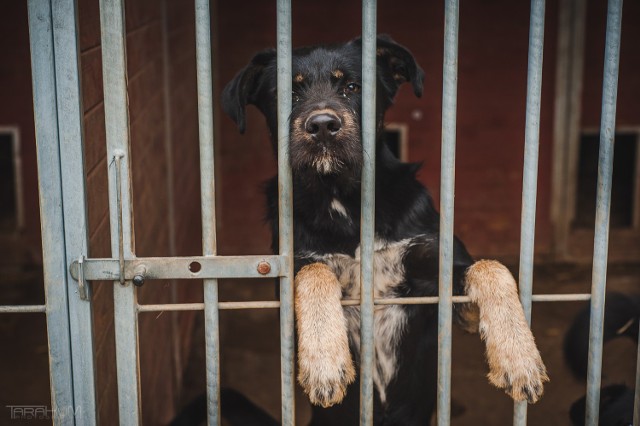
58	105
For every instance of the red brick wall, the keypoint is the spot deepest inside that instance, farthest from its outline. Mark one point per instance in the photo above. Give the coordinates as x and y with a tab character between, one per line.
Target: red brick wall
493	45
165	339
152	154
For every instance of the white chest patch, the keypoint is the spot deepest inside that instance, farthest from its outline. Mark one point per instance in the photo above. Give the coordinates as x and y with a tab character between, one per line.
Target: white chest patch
336	206
389	321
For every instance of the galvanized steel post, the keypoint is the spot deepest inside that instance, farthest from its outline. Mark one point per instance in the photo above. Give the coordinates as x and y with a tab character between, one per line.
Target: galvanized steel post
70	118
112	26
530	171
367	218
285	213
447	188
603	204
207	193
51	212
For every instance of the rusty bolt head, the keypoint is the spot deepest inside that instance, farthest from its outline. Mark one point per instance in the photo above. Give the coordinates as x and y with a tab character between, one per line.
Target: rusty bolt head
138	280
264	268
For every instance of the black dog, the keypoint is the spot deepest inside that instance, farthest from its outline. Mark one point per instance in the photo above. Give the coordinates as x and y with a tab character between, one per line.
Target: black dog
326	159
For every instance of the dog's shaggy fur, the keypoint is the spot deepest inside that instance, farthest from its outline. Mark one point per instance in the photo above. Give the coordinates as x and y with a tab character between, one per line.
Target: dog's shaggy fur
326	159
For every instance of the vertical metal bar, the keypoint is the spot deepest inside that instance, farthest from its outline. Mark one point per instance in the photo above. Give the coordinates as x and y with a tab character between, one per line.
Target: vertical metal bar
70	116
171	223
285	215
530	172
603	203
114	72
447	186
367	218
50	186
207	193
636	398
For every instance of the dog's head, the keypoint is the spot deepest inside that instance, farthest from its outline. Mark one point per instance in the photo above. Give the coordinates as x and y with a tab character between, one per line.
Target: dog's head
325	135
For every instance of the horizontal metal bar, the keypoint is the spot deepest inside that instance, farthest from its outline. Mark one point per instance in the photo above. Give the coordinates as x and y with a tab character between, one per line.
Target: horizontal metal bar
577	297
196	267
274	304
15	309
171	307
259	304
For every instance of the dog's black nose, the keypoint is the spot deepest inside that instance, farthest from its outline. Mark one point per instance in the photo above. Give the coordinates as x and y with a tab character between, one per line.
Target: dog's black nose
322	125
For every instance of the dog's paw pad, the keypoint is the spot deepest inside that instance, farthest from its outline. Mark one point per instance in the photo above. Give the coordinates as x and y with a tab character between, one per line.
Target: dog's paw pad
326	384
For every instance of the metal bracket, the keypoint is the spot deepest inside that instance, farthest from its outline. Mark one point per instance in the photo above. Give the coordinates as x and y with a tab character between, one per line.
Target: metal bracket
160	268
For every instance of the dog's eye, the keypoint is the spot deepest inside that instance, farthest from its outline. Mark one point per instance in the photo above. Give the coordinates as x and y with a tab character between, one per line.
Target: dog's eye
295	97
351	88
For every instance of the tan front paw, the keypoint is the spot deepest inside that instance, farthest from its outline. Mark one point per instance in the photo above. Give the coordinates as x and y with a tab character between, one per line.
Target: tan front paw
326	380
521	373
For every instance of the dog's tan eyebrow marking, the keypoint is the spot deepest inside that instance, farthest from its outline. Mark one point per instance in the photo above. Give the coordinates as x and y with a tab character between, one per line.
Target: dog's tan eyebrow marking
337	74
299	78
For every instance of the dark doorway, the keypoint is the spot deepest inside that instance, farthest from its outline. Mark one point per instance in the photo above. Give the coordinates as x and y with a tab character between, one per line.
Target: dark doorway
623	184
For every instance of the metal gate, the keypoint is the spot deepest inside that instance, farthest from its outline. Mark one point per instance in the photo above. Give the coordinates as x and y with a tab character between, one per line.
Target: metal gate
68	267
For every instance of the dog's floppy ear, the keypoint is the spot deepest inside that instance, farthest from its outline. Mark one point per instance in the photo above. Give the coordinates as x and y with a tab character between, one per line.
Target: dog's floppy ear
244	88
398	63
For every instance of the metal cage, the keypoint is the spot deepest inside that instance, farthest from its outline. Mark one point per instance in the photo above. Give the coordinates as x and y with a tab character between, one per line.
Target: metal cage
57	99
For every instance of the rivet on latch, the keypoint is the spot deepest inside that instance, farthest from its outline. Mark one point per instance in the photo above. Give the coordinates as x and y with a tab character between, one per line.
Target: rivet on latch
264	268
139	275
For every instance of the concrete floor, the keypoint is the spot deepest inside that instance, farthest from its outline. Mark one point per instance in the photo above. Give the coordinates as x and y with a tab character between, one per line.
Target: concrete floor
251	363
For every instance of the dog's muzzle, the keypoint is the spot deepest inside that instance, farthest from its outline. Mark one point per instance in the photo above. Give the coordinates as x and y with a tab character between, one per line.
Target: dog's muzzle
323	125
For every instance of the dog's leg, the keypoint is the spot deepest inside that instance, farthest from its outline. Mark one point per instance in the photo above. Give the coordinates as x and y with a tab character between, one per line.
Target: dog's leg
515	364
324	361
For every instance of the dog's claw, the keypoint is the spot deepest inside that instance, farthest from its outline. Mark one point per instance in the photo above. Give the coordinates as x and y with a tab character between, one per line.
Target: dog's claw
521	377
326	384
